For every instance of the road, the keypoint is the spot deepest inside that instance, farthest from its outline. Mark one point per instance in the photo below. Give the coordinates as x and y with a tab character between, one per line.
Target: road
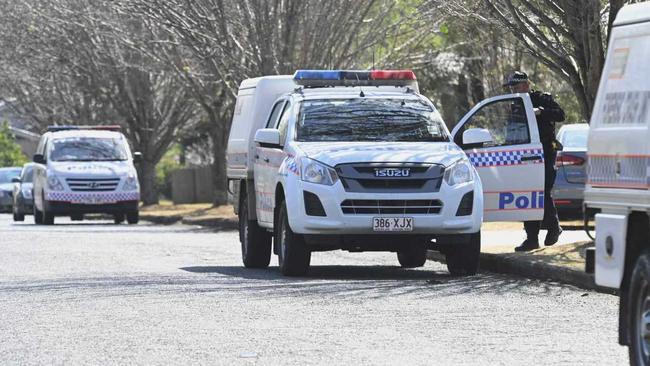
96	293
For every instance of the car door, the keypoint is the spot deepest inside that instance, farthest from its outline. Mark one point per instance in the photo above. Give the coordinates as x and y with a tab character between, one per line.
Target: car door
511	167
267	164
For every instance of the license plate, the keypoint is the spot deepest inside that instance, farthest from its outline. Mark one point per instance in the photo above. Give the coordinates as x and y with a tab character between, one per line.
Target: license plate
392	224
91	200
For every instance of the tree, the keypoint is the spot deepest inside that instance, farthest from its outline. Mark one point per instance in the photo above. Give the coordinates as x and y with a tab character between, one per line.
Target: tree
10	152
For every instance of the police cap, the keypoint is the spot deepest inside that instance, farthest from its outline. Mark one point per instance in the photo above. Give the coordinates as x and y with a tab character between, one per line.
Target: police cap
516	78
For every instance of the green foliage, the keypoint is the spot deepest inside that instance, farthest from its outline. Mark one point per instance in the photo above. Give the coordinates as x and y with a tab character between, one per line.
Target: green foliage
164	168
10	153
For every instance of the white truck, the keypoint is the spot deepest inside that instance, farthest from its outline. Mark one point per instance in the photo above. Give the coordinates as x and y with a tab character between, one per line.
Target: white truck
360	161
83	169
619	176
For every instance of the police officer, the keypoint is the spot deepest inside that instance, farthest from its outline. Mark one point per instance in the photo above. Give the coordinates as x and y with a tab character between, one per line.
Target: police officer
547	112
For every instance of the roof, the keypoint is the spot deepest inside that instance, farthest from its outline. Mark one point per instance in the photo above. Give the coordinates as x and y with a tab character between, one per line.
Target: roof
252	83
346	92
633	13
575	126
85	133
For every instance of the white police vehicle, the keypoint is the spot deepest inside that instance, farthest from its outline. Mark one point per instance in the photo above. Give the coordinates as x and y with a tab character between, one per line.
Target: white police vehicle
618	185
360	161
82	169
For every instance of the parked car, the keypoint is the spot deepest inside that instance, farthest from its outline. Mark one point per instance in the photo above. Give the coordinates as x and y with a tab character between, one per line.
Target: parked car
23	200
7	186
571	163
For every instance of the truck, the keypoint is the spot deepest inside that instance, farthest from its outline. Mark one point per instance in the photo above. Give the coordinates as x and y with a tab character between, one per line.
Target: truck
361	161
618	183
85	169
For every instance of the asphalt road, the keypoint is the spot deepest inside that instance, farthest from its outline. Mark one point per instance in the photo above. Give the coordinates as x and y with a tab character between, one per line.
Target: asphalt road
96	293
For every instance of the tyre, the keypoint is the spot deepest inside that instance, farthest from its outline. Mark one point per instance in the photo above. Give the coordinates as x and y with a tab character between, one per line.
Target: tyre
133	217
118	218
48	218
255	241
293	255
77	217
412	257
19	217
38	216
638	303
463	255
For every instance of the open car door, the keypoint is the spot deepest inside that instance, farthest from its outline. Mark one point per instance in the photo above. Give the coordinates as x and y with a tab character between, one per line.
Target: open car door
511	166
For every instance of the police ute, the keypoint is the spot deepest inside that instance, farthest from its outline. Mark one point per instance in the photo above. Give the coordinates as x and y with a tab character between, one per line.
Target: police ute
360	161
83	169
618	185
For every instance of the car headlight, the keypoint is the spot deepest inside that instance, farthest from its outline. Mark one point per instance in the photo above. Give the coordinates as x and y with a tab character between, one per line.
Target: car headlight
27	193
315	172
130	183
459	172
53	183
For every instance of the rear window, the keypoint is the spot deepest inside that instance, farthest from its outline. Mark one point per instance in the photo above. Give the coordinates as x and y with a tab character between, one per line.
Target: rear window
369	119
575	138
87	149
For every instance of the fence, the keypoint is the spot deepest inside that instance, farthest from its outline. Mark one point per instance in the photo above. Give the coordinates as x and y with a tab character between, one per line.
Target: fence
193	185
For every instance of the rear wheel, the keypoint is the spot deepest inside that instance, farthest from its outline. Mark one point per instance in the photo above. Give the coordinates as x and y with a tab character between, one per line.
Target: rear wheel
293	255
38	216
463	255
19	217
413	256
639	311
133	217
77	217
118	218
255	241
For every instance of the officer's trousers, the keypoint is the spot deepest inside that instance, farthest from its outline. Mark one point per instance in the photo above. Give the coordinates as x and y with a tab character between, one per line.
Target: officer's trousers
550	212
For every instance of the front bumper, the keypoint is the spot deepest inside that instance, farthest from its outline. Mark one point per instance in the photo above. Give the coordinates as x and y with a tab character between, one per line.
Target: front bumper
67	208
336	222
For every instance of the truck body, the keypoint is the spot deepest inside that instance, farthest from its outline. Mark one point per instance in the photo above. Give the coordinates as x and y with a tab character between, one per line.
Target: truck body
619	176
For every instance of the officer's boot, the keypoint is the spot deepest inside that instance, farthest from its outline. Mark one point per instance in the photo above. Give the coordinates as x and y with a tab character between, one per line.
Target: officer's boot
553	235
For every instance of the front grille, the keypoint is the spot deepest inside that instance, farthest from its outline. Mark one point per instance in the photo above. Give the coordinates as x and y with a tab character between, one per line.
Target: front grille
381	207
360	177
92	185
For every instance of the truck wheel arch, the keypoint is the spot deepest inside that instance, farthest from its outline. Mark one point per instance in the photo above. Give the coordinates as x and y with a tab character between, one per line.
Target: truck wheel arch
279	198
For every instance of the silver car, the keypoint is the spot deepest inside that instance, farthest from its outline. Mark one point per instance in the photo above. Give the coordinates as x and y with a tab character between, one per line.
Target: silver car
23	200
571	166
7	187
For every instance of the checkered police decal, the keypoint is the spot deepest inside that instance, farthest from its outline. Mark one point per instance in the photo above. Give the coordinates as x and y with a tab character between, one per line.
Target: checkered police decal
95	197
502	158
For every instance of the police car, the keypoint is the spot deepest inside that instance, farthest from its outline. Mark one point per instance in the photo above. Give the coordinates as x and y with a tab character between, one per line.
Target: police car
83	169
360	161
618	184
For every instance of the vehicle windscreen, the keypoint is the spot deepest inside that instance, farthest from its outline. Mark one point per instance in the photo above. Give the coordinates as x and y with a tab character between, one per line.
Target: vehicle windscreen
369	119
575	138
6	175
87	149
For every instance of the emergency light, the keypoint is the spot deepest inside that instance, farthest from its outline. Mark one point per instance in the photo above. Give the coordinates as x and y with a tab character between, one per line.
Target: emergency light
71	127
324	78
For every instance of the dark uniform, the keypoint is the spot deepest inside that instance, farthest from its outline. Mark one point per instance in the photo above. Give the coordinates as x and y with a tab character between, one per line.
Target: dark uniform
550	113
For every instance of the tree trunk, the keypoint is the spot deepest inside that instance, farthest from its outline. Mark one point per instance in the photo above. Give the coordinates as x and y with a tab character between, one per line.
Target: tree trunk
219	168
148	188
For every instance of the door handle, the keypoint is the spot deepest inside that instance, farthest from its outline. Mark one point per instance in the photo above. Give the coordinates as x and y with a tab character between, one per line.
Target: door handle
266	160
257	156
531	158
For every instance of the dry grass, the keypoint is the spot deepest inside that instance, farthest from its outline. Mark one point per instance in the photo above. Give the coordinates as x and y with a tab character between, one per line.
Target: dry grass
168	209
567	255
506	225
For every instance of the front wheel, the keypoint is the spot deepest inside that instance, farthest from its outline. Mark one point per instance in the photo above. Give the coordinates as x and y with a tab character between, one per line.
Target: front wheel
413	256
293	255
133	217
38	216
463	255
255	240
639	311
19	217
118	218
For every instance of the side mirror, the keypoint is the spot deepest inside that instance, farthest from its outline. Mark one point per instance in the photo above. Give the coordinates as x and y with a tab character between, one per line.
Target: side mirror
15	180
268	137
477	136
39	159
137	157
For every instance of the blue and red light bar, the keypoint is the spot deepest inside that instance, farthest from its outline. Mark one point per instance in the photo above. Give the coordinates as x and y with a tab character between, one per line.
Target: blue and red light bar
71	127
354	77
